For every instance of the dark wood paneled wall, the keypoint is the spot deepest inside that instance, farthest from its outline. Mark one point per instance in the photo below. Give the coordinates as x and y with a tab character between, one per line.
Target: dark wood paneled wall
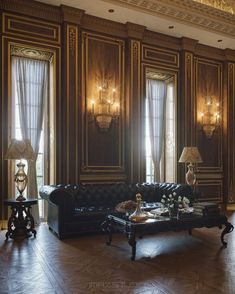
81	43
208	82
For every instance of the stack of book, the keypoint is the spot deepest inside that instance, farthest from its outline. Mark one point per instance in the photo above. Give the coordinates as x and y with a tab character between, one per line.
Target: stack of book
206	208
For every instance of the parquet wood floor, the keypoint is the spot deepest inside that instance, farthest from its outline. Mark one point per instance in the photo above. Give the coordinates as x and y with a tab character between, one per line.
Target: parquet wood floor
167	263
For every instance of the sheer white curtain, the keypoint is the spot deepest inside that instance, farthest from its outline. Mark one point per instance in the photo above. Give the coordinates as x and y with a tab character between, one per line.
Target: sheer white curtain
31	82
156	103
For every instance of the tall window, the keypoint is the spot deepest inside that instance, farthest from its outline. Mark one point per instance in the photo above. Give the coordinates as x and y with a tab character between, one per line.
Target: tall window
30	100
17	134
160	131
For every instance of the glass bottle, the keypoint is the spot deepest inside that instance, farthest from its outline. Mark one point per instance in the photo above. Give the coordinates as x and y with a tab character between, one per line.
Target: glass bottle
138	215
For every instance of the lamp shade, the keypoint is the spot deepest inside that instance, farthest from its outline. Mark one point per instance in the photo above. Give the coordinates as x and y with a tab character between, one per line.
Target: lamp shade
190	154
20	149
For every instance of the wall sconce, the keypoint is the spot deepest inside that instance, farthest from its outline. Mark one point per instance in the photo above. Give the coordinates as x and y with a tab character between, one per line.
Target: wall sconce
105	108
210	118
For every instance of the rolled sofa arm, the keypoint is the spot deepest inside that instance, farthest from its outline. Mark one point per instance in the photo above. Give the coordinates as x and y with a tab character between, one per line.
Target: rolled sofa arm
60	206
58	194
61	196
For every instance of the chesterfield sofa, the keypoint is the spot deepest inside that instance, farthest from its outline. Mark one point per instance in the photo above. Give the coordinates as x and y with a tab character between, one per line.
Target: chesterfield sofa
78	209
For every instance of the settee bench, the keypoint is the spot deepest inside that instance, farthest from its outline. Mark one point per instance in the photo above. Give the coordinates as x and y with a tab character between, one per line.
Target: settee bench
79	209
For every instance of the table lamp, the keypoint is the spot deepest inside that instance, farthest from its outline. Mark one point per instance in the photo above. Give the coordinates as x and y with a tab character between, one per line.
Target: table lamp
190	155
20	149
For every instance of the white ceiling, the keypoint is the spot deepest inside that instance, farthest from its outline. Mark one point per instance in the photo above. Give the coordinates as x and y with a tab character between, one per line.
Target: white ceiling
154	22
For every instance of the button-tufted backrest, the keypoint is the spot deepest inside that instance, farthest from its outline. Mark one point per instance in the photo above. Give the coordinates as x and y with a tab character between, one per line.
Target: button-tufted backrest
104	194
109	195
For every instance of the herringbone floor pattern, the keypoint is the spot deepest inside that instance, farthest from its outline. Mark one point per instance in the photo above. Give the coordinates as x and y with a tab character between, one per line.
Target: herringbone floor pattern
169	263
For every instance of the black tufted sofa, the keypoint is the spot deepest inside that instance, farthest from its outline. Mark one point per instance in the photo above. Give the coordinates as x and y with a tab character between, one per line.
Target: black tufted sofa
76	209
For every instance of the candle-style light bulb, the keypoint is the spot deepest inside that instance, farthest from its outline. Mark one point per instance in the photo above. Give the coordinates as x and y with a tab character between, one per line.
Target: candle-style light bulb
202	117
100	90
92	106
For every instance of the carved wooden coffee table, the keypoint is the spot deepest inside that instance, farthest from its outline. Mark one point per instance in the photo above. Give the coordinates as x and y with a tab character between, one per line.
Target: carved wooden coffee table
121	222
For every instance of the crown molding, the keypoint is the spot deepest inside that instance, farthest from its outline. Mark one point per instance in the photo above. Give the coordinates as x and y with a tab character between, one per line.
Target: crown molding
73	15
229	55
185	11
135	31
188	44
32	8
98	24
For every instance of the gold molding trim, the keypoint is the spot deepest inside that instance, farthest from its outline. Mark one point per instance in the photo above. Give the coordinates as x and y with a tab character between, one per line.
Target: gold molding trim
135	111
185	11
189	100
72	39
10	28
72	59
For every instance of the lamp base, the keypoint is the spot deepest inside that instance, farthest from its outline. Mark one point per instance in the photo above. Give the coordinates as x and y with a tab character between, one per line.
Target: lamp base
20	198
21	181
190	176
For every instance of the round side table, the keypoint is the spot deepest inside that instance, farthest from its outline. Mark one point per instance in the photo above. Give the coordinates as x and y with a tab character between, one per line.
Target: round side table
21	221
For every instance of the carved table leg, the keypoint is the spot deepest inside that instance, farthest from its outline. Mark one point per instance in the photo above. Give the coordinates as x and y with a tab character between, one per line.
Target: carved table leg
132	243
29	222
11	223
228	229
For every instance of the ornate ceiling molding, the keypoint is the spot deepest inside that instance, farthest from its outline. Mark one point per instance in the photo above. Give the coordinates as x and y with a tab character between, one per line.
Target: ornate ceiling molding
225	5
186	11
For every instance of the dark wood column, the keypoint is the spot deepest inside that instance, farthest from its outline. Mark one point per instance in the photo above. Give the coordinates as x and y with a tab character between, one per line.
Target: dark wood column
186	103
3	130
229	126
135	104
69	146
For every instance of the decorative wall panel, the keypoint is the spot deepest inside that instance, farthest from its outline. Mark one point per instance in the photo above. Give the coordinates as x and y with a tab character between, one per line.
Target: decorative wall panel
160	56
103	66
208	83
31	29
210	190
